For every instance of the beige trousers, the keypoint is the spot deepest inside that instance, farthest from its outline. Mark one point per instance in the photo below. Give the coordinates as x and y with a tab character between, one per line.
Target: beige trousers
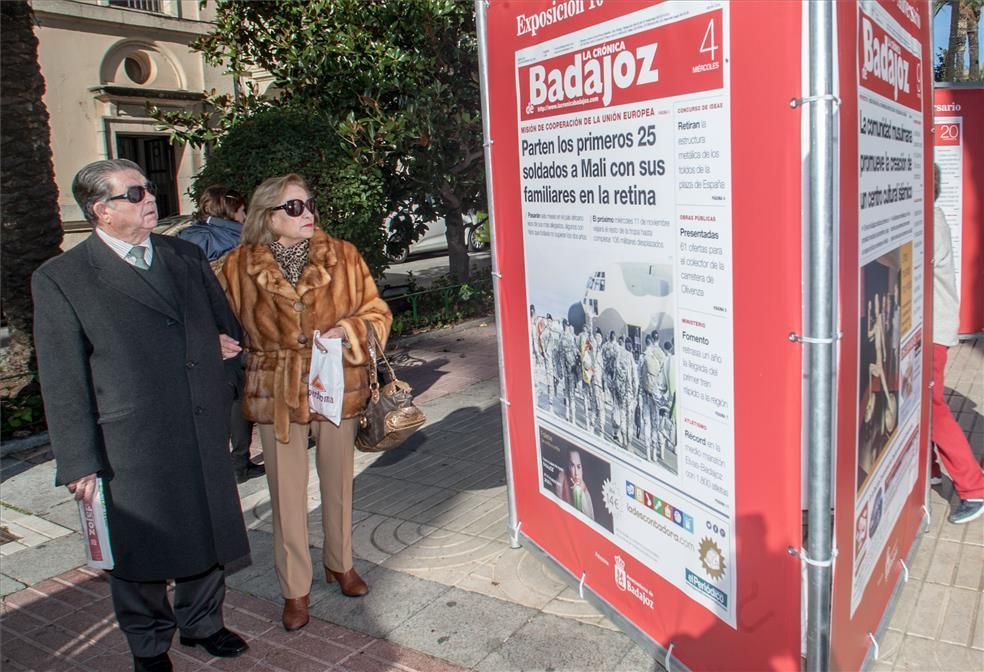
287	474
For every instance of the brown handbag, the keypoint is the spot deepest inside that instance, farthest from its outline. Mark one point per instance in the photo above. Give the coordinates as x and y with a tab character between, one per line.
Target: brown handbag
390	416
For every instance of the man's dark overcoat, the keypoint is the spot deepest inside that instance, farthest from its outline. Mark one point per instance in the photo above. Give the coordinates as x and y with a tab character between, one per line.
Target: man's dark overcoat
134	390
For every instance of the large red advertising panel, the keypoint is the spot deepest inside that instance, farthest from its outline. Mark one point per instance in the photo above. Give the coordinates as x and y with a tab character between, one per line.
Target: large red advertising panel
959	139
885	297
646	172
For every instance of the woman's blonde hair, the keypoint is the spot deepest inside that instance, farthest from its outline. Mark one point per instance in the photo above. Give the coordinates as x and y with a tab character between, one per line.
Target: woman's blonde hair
219	201
269	195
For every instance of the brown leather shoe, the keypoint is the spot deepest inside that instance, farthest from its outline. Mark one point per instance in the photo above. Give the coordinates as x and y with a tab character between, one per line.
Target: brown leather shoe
296	612
350	582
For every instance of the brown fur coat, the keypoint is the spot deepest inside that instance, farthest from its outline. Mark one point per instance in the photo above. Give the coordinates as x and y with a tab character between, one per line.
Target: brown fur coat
335	289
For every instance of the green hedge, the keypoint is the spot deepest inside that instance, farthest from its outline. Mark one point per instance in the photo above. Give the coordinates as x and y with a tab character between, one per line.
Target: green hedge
351	198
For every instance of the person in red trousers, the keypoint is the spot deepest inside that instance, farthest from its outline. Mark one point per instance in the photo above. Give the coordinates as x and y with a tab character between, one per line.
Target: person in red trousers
951	443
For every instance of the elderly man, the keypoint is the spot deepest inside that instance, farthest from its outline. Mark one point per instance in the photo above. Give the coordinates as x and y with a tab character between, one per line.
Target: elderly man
131	331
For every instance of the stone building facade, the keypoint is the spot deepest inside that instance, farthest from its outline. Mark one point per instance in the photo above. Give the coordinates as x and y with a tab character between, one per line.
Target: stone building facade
103	61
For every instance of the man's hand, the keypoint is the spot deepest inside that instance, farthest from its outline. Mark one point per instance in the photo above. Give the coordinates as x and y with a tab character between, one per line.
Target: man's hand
84	488
230	347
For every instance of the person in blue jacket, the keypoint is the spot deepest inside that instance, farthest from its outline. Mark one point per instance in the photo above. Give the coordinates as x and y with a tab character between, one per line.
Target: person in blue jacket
220	217
219	221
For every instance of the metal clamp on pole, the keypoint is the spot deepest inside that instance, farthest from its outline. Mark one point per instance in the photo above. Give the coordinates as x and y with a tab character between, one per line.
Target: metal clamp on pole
905	571
874	643
504	401
796	338
514	542
799	102
580	586
497	275
490	142
801	554
928	517
669	655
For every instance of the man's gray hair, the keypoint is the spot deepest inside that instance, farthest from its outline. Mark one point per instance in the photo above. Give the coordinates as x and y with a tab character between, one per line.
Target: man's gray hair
91	184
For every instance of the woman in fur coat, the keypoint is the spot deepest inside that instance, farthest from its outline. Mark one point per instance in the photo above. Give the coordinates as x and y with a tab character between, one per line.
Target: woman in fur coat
284	281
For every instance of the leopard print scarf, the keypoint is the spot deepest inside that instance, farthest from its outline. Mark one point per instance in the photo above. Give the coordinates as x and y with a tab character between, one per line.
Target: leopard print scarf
292	259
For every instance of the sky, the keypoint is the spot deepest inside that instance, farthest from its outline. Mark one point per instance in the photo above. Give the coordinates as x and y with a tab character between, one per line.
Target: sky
941	34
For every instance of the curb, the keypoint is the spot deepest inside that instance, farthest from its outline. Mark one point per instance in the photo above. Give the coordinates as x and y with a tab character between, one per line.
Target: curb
22	444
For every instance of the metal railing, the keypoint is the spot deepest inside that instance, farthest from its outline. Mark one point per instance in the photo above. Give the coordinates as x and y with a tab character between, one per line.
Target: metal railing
449	302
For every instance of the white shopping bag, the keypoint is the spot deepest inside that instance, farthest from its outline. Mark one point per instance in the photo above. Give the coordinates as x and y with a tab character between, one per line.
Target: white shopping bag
326	382
95	529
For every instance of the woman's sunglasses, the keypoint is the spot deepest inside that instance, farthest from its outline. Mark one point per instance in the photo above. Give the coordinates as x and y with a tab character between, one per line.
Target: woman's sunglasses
295	206
136	193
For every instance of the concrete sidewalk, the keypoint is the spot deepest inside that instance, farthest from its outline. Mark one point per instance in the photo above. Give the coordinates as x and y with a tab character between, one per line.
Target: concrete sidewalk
430	538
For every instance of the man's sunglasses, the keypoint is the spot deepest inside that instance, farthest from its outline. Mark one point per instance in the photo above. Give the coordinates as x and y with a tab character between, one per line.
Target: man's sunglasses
295	207
136	193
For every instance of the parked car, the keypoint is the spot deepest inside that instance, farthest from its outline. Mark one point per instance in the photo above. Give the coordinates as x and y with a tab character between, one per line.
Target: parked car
434	239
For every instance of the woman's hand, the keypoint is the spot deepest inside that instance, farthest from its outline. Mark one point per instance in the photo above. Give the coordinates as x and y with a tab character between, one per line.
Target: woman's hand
334	332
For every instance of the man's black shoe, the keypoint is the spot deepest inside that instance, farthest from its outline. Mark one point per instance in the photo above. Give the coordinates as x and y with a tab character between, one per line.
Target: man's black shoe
223	644
251	471
159	663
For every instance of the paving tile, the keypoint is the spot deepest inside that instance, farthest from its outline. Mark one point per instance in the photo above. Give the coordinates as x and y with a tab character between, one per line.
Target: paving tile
377	537
117	661
444	556
929	611
943	565
393	599
549	642
447	629
889	644
923	558
24	653
515	576
289	661
9	585
388	652
49	559
33	490
487	518
970	569
26	536
961	608
974	532
360	662
20	621
954	532
978	641
12	547
43	527
247	624
919	655
568	604
638	660
38	605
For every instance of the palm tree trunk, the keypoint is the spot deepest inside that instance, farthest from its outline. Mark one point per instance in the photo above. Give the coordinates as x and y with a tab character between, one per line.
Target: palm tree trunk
973	47
29	216
954	53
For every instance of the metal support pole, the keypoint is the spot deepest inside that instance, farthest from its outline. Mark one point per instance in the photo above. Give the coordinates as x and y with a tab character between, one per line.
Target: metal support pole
483	76
821	324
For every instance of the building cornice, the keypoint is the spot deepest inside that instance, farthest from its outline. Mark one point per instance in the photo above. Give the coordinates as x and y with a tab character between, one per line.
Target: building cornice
70	13
110	92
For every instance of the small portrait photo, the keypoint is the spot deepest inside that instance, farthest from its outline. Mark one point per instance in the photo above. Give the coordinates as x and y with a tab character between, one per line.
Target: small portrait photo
575	477
884	309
